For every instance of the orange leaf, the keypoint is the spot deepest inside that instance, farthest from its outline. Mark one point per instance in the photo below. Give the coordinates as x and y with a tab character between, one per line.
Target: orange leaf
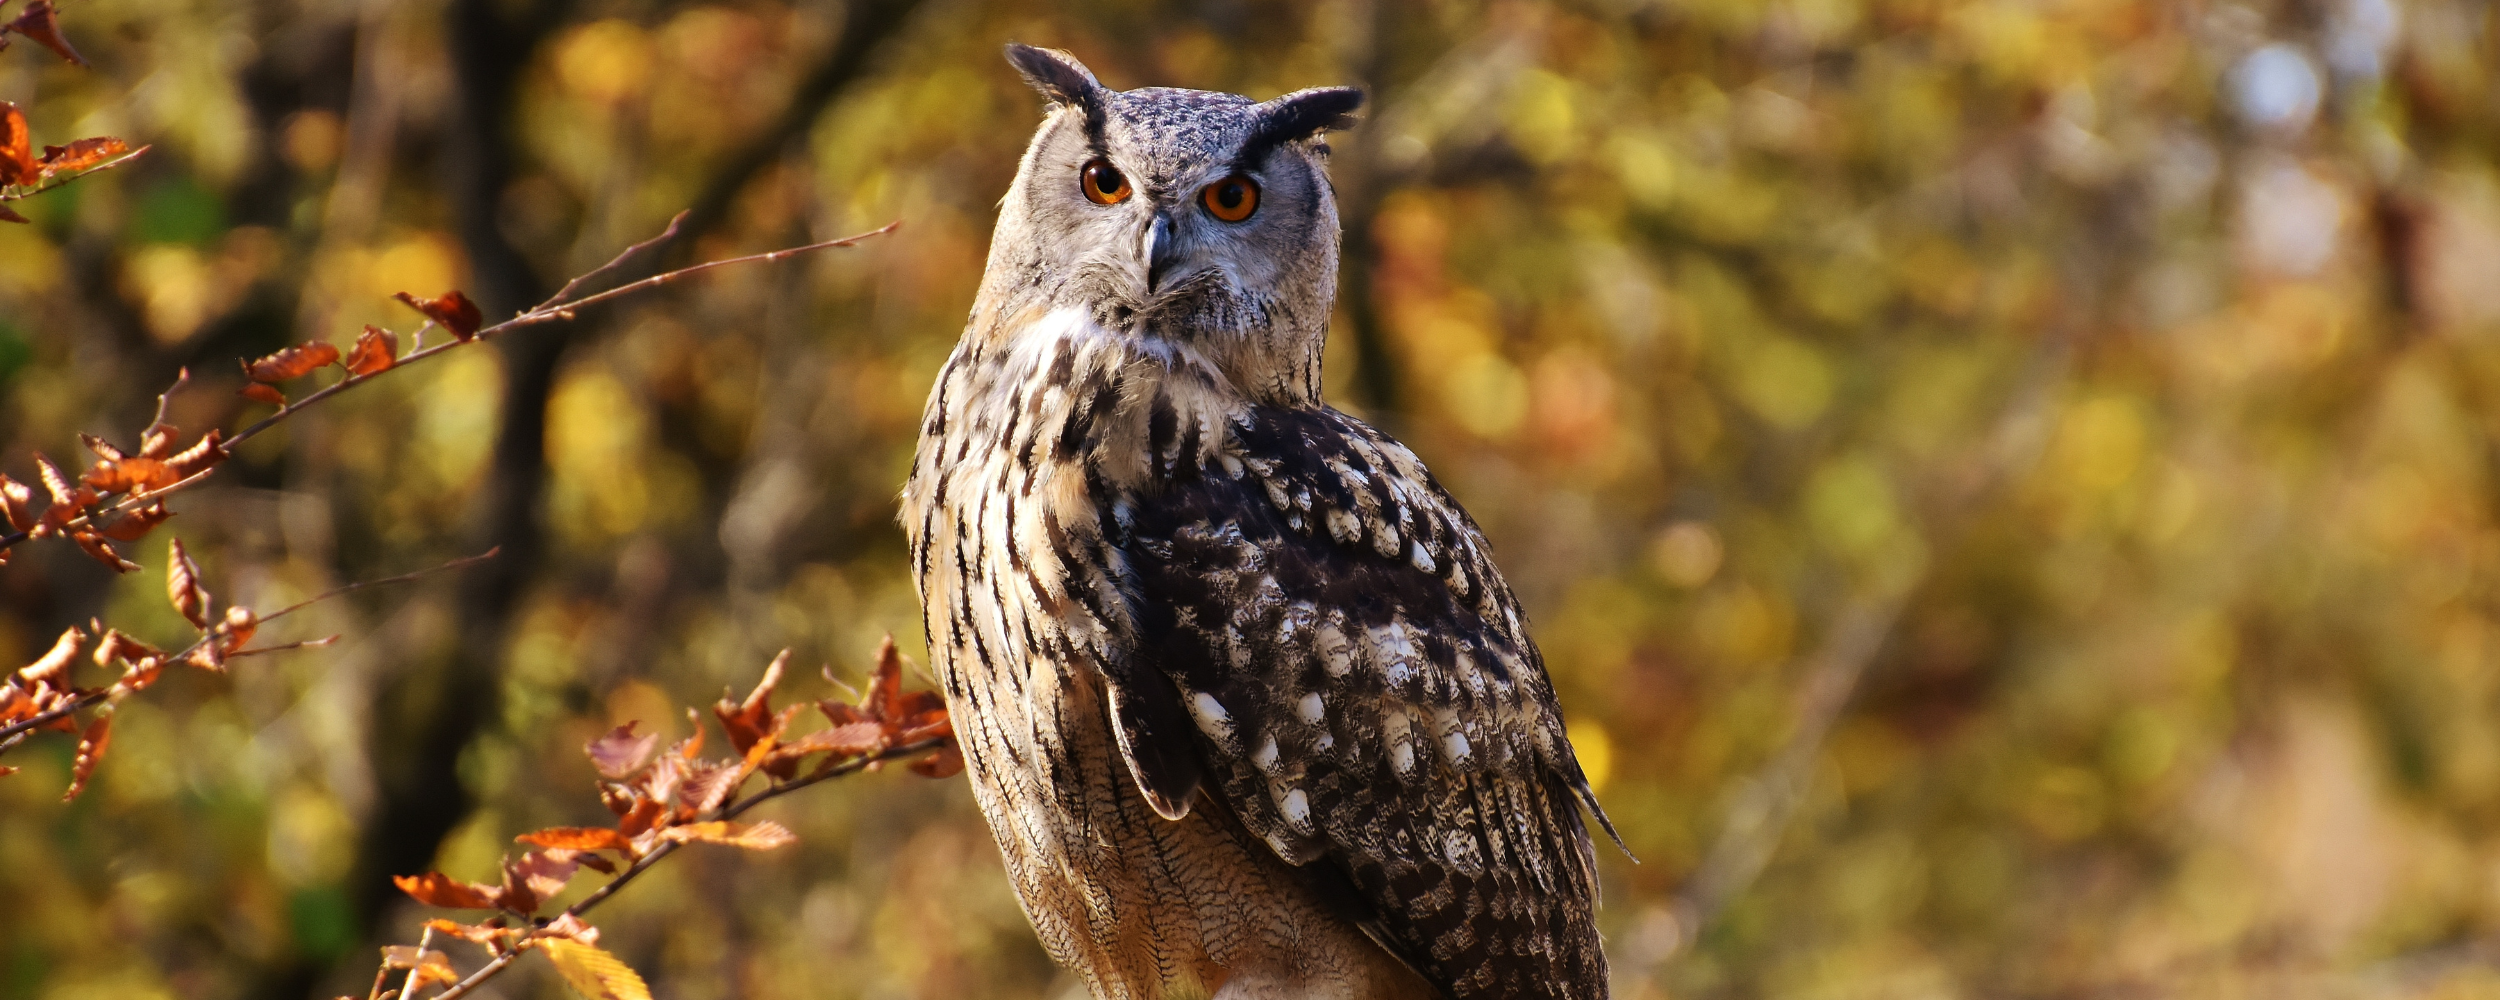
17	147
620	753
81	155
91	746
114	476
430	966
157	441
438	889
58	485
39	22
578	838
102	551
182	586
293	362
237	629
117	646
102	448
203	454
261	393
137	523
947	762
376	350
17	504
481	935
762	836
53	669
452	309
843	740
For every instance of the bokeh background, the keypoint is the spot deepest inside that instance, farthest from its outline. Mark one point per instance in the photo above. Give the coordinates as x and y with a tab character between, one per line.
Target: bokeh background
2005	487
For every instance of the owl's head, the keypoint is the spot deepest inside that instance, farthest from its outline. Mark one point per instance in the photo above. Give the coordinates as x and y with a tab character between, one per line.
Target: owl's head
1185	215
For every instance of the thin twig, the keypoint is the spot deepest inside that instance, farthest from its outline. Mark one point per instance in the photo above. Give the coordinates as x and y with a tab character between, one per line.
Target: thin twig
565	294
460	563
554	311
408	986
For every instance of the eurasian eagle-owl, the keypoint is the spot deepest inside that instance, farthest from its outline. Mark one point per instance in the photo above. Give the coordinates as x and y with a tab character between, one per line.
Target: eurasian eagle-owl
1243	698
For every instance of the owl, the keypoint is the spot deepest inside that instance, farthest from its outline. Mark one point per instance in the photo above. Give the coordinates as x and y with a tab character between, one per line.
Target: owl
1241	694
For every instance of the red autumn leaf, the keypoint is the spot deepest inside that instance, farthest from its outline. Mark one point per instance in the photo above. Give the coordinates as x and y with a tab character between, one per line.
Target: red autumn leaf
91	746
708	784
17	147
52	670
134	474
438	889
137	523
182	585
102	551
845	740
117	646
81	155
762	836
947	762
885	687
376	350
17	504
643	814
260	393
291	363
578	838
752	720
203	455
452	309
39	22
620	753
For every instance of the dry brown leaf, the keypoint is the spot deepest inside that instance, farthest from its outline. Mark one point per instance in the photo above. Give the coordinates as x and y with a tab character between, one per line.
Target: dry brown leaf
80	155
237	629
594	973
708	784
763	836
259	393
438	889
430	966
104	450
97	548
480	935
91	744
844	740
17	504
182	585
136	524
157	441
376	350
17	147
452	309
291	363
39	22
135	474
571	928
119	646
578	838
947	762
52	670
620	753
542	874
203	454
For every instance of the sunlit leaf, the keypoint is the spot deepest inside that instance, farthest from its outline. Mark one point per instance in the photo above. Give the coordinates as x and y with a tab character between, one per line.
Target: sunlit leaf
762	836
17	147
52	670
438	889
97	548
17	504
291	363
261	393
182	585
91	746
594	973
578	838
79	156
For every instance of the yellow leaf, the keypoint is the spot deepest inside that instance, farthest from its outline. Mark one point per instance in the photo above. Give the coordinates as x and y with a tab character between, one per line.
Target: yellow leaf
594	973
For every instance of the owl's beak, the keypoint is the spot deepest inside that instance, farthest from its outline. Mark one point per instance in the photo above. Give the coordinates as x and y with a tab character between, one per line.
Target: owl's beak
1155	246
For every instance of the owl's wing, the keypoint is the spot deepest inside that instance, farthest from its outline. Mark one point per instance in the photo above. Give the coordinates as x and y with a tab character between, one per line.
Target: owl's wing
1325	624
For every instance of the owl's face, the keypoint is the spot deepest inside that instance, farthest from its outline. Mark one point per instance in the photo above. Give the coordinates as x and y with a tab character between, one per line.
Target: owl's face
1179	214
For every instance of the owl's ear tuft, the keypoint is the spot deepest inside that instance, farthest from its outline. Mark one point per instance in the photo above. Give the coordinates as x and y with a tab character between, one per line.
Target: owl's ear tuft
1305	113
1055	73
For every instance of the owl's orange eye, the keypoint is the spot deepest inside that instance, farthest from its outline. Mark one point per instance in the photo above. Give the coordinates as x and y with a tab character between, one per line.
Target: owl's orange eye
1231	199
1103	183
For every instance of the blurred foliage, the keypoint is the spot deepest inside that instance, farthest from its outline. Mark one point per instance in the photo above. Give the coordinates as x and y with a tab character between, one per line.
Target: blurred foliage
2137	365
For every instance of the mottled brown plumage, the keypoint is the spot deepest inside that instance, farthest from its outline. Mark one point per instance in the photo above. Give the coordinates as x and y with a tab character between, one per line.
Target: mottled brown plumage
1243	697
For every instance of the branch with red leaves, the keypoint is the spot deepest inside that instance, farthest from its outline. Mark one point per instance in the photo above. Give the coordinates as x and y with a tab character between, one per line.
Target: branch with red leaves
22	173
664	801
46	695
122	496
